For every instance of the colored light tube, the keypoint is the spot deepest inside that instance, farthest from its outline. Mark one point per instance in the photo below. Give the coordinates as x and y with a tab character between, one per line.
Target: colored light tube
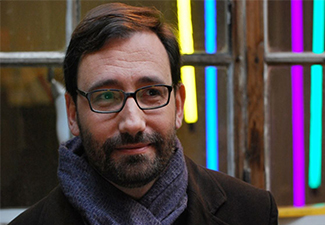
187	47
190	105
316	99
318	26
297	106
211	111
211	87
210	15
315	143
298	136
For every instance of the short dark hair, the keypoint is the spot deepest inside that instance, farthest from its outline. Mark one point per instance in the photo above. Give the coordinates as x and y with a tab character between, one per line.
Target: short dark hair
117	20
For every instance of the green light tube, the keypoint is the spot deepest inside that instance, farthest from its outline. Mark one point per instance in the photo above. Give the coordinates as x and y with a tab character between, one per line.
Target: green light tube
318	26
315	143
316	101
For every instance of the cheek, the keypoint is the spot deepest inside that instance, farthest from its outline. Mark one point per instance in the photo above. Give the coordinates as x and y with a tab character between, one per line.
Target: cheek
98	125
164	122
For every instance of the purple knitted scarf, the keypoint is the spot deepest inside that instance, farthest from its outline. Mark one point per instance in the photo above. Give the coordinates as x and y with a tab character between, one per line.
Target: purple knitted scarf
99	202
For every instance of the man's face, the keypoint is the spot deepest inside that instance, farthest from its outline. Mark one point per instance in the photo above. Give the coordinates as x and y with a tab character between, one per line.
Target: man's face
132	147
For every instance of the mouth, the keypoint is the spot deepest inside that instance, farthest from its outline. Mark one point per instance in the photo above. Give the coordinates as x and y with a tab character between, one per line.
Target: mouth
132	149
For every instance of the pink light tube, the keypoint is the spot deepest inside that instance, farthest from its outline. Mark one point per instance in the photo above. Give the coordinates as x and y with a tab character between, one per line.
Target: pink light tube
297	77
297	26
298	136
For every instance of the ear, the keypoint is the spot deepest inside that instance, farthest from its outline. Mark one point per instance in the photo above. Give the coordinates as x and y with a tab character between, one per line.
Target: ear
180	99
72	115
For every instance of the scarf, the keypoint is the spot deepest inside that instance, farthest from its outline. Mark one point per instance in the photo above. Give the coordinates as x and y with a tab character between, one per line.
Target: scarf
100	202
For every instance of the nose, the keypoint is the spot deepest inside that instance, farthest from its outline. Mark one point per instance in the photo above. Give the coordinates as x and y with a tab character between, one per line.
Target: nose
132	119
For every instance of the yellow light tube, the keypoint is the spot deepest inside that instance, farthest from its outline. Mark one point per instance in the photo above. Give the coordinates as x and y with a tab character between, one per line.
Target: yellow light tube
187	47
185	26
190	107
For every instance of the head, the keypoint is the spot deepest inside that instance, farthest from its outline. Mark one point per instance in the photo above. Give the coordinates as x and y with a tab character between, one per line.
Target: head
117	21
126	48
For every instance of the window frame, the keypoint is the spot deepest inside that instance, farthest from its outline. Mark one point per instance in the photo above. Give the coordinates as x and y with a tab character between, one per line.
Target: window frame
279	59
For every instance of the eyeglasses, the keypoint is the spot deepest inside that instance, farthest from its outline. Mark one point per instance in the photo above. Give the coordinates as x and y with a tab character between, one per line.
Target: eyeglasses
113	100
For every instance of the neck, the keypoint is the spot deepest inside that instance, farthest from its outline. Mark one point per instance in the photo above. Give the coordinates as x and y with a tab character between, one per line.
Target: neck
136	193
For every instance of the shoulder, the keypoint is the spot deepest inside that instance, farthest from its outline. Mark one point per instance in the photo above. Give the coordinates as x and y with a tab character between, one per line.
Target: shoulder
202	176
53	209
227	196
226	184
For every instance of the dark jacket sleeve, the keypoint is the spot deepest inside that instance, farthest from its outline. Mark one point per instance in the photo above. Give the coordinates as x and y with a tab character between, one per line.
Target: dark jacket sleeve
273	211
222	199
52	210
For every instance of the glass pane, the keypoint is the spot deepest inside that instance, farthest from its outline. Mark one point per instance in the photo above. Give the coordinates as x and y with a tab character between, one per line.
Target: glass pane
29	141
284	125
32	25
193	136
169	9
280	26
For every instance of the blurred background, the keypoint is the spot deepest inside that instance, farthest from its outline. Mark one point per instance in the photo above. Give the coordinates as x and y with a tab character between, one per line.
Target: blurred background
253	71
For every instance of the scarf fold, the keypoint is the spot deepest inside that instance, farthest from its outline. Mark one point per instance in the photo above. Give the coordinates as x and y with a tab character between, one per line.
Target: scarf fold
100	202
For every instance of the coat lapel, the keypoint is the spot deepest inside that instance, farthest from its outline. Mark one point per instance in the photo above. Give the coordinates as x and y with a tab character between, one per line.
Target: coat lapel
205	196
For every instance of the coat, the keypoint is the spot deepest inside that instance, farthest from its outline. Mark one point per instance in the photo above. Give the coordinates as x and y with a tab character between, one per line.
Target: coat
213	198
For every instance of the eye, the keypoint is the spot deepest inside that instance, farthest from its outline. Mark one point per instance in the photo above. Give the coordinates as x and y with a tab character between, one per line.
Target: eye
152	97
152	92
107	95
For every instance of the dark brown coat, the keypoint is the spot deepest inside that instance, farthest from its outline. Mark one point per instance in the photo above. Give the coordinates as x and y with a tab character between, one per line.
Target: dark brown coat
213	198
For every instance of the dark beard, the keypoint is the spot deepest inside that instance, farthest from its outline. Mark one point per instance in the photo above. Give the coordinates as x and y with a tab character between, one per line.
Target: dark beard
130	171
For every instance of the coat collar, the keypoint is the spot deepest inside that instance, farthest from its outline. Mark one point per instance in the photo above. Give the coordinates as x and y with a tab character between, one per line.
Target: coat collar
205	196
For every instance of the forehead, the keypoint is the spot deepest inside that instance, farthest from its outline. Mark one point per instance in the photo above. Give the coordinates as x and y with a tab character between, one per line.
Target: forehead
138	60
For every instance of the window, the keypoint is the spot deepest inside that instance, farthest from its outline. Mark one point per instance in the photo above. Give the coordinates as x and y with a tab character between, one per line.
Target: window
295	107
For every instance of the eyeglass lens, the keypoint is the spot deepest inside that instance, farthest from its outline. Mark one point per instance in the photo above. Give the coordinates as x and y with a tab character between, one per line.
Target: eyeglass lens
113	100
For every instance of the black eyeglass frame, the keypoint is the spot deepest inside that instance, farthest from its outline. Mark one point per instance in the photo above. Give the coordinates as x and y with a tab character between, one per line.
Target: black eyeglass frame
126	96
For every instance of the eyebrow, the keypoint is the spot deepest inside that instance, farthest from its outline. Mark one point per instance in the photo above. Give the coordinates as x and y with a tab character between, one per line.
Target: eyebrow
102	83
147	79
113	82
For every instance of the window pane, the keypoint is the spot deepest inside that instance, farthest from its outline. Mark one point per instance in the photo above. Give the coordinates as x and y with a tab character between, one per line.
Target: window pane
283	98
279	25
193	136
28	136
169	9
32	25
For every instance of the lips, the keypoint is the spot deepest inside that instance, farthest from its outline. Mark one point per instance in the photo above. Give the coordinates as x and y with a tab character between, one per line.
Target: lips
134	148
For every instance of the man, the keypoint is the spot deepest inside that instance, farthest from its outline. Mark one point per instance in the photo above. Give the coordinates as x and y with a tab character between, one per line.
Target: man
125	165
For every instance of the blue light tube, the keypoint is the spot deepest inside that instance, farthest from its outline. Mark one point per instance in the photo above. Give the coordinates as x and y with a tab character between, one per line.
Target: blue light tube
211	90
210	16
211	111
